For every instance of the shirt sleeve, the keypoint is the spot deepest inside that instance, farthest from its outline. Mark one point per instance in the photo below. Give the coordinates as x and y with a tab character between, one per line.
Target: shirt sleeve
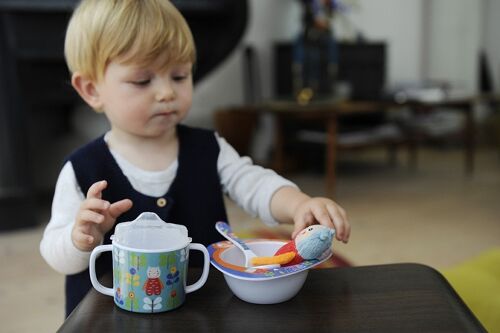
250	186
56	246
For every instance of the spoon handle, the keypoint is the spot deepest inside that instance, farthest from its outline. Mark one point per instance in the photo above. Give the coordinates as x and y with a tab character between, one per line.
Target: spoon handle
225	230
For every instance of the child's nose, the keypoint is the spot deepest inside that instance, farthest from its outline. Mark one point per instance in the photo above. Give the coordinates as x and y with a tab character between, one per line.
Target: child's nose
165	92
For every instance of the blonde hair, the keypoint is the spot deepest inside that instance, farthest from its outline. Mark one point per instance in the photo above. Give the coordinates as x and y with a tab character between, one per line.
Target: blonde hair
135	31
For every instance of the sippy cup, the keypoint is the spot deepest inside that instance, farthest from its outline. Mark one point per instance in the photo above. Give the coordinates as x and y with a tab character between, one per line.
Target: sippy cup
150	262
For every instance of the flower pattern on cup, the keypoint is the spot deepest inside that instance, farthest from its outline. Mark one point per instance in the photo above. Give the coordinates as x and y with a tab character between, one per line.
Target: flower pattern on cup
131	302
173	276
118	296
152	304
172	280
183	255
132	279
119	256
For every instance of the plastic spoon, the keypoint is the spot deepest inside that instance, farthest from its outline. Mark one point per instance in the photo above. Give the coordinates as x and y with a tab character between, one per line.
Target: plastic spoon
225	230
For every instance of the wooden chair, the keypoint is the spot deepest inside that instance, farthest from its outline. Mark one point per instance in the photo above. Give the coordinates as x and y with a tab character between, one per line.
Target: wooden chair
237	126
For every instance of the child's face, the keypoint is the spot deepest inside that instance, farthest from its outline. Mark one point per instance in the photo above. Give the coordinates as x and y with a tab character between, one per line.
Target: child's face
145	101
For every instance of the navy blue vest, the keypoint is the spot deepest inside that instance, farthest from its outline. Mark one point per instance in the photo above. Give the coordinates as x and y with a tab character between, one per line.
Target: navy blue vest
194	199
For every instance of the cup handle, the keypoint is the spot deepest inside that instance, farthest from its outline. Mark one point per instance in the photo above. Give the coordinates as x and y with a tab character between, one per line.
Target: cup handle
206	266
93	277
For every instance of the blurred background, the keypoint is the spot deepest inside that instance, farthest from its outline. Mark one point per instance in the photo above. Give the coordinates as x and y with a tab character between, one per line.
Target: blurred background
417	169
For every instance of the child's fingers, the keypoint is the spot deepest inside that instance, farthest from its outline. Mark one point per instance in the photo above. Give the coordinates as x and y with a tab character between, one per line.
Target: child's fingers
340	210
297	228
95	190
301	222
95	204
119	207
82	240
322	215
90	216
113	212
342	227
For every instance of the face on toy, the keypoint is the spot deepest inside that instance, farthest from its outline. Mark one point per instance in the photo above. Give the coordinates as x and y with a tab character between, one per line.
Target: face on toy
309	231
313	241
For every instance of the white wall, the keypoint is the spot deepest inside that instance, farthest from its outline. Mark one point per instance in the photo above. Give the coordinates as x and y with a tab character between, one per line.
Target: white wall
398	23
454	41
491	40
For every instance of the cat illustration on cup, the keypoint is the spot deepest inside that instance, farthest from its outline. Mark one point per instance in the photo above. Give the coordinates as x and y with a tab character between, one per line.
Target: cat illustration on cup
153	284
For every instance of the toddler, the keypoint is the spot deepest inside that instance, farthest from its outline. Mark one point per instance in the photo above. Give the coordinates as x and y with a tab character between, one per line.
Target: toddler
132	60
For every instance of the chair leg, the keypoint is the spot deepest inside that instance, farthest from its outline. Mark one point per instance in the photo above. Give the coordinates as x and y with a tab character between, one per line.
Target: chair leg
392	154
412	155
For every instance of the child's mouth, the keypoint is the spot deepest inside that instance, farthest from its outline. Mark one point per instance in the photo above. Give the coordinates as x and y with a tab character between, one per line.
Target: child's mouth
164	114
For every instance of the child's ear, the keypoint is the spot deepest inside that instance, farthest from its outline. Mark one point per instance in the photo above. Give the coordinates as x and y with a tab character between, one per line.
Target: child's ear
86	88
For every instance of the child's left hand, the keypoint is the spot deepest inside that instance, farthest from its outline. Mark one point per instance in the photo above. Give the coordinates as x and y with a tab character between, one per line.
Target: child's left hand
323	211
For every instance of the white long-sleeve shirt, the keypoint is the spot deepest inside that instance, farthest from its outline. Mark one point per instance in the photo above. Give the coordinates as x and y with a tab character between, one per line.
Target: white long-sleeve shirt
249	185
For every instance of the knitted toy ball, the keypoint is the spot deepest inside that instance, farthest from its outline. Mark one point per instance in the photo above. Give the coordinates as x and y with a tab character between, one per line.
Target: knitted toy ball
309	244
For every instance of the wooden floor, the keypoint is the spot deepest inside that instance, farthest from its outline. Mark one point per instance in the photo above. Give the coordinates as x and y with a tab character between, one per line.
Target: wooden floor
435	216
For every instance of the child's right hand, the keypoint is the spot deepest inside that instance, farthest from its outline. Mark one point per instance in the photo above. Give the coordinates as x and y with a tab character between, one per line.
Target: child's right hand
96	217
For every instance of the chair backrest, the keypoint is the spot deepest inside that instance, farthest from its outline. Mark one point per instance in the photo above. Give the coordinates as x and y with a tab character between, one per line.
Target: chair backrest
251	78
237	126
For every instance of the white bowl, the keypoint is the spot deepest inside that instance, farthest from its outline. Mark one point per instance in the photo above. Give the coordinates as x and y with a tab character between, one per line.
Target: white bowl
260	286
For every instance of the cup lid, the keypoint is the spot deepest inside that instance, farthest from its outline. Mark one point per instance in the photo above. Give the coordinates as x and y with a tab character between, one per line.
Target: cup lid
149	232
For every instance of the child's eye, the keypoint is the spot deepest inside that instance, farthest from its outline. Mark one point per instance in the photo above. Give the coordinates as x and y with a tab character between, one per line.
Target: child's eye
141	82
179	77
